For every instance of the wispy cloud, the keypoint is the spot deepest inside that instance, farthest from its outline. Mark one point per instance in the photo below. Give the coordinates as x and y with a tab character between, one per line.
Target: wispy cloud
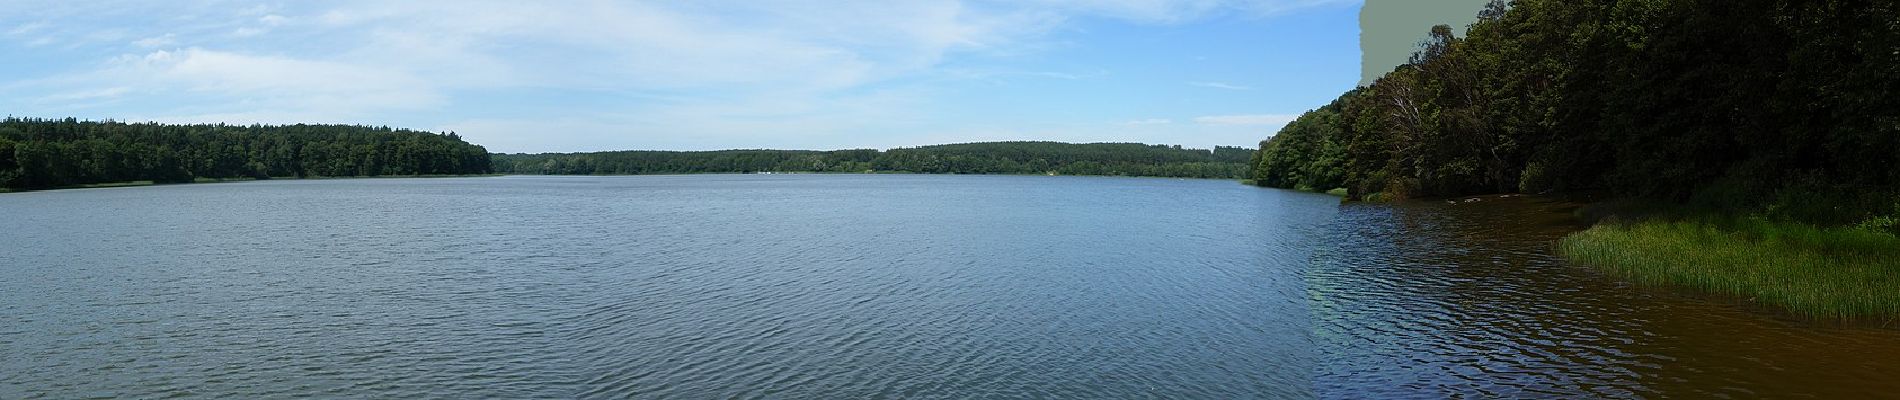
1001	74
690	69
1254	119
234	84
26	28
1176	11
1219	85
94	94
157	41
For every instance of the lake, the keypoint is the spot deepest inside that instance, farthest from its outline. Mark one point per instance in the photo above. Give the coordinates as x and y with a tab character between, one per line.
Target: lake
854	286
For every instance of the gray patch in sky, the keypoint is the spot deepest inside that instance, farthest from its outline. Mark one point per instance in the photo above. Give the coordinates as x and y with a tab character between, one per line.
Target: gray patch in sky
1390	30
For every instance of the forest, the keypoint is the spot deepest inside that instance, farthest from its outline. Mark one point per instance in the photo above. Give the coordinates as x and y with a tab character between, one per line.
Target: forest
1779	108
1131	159
1745	148
48	153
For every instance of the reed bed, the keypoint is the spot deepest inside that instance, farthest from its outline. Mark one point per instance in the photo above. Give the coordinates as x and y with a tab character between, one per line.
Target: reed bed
1840	273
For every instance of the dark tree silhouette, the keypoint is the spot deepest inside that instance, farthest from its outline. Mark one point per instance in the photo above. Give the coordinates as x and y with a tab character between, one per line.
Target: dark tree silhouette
1779	105
44	153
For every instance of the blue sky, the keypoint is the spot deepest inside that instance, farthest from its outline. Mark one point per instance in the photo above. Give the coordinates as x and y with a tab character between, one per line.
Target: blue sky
694	75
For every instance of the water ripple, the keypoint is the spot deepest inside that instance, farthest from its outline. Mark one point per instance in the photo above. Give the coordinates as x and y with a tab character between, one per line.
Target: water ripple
661	287
1428	300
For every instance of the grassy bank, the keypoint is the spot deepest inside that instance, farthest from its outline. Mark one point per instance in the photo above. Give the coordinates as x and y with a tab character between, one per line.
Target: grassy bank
1839	273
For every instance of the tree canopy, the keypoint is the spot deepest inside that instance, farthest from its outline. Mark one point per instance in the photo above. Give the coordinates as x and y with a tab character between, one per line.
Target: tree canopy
1752	103
46	153
1131	159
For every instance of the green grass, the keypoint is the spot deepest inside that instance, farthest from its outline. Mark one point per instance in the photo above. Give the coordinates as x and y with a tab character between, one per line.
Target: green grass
1840	274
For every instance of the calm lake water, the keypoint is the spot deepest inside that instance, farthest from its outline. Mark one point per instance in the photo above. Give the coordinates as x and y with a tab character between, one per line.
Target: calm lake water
854	286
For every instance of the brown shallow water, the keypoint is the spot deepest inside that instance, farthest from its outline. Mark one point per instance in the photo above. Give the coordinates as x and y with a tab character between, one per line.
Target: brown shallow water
1430	299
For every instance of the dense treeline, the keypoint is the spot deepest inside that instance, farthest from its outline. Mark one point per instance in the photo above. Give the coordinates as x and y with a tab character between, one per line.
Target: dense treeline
968	158
43	153
1783	106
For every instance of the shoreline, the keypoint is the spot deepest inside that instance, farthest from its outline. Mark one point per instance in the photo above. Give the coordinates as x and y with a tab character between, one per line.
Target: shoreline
130	184
196	181
1841	275
876	173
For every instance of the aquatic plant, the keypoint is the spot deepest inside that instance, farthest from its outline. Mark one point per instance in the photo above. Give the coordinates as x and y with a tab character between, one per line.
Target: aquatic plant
1836	273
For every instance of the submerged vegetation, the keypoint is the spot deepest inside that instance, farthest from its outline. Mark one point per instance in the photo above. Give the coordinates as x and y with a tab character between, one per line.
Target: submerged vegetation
44	153
1775	119
1131	159
1840	273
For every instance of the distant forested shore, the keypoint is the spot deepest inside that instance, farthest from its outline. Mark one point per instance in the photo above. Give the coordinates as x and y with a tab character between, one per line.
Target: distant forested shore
1753	147
58	153
1130	159
54	153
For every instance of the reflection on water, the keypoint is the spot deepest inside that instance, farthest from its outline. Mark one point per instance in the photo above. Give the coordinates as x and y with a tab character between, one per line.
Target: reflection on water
1436	299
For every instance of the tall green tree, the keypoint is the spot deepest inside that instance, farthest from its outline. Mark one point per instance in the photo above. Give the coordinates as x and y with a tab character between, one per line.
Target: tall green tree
1739	104
44	153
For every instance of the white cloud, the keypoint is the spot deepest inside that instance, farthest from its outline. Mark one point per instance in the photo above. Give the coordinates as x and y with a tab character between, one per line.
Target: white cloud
785	120
263	26
226	84
157	41
26	28
92	94
1255	119
1219	85
742	70
1175	11
257	9
1149	121
253	117
1270	7
1152	11
975	74
649	46
248	75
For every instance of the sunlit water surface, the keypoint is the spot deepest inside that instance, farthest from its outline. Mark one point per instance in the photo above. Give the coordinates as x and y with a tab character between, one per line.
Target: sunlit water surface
854	286
715	286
